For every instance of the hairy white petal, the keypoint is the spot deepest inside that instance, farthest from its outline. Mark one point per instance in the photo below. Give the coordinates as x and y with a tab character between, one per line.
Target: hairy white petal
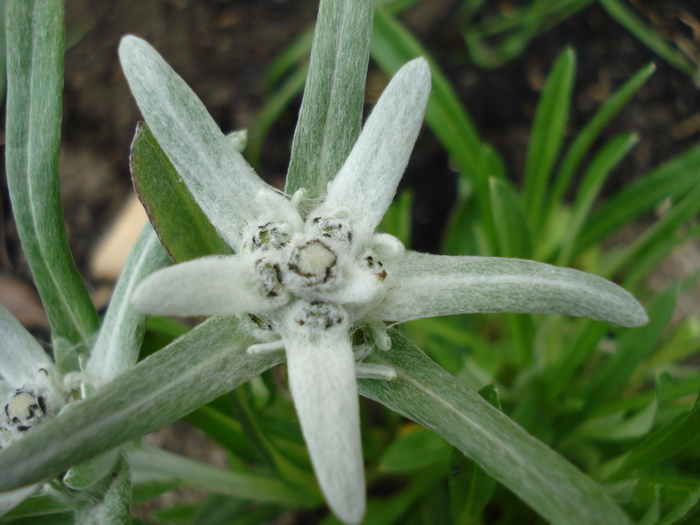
431	285
322	381
21	356
217	285
364	187
218	177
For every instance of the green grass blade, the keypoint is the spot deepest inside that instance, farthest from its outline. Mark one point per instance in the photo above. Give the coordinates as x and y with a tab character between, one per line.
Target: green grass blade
195	369
35	41
424	392
644	264
632	348
686	509
514	239
547	135
594	177
663	443
275	105
392	47
665	228
672	179
586	137
181	224
153	464
288	59
649	37
331	111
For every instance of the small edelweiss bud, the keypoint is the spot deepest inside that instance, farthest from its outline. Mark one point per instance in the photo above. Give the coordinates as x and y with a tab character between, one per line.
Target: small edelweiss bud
269	277
332	229
319	315
314	262
268	236
24	410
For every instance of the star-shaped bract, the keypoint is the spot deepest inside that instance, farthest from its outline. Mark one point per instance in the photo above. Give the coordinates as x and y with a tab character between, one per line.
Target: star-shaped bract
305	282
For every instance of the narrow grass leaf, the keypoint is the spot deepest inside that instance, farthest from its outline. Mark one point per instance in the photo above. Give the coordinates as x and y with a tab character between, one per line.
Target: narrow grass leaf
291	57
665	442
592	182
428	395
655	254
179	221
415	451
587	136
653	513
276	103
35	43
673	179
509	218
392	47
632	348
665	228
650	37
153	464
200	366
686	509
331	110
548	130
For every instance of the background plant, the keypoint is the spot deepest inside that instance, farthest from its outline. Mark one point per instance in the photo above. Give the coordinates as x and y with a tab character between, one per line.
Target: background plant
532	361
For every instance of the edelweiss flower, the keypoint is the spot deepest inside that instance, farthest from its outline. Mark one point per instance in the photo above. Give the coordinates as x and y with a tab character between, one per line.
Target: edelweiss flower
322	285
31	391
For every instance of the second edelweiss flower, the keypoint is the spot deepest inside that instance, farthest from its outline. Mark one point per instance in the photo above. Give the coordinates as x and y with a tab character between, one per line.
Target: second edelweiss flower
312	283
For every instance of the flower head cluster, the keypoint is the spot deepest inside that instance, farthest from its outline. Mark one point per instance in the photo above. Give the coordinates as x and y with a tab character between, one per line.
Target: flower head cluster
306	282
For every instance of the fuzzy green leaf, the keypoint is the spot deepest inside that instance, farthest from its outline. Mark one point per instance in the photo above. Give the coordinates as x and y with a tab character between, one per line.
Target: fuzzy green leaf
425	393
200	366
331	111
35	41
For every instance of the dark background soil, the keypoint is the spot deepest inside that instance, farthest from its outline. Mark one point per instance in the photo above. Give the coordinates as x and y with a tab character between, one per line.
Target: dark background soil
223	48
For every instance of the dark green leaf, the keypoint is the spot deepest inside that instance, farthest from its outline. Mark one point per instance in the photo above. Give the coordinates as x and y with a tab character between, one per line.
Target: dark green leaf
179	221
417	450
